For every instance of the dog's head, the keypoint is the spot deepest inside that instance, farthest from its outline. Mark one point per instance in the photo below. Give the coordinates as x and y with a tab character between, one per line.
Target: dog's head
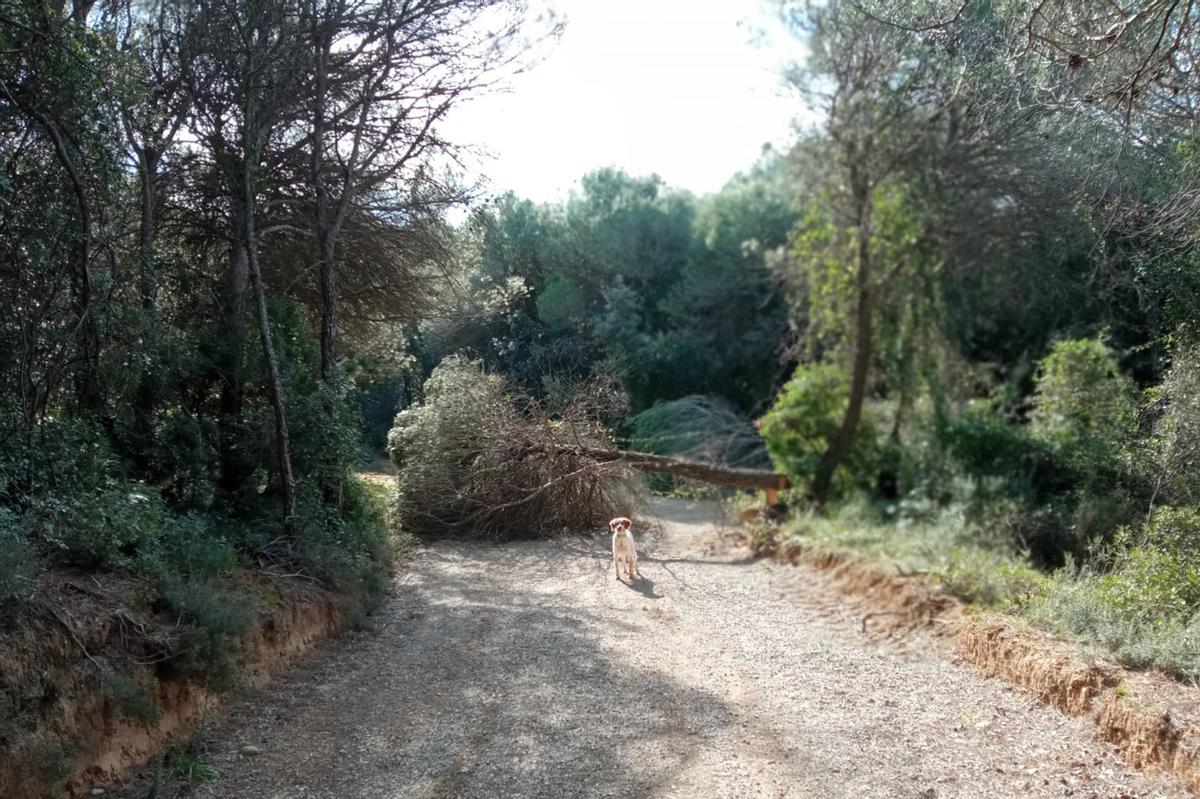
620	524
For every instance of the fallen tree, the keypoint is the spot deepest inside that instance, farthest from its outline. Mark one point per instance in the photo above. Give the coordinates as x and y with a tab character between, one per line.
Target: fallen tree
480	459
727	476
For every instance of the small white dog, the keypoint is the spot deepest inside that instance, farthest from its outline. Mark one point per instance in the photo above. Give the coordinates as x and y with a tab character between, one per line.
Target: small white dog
623	549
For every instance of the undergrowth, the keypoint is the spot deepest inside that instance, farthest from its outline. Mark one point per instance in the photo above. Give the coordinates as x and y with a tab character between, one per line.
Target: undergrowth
1136	599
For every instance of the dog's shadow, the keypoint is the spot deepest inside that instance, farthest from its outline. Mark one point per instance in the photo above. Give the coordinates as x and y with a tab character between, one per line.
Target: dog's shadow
643	585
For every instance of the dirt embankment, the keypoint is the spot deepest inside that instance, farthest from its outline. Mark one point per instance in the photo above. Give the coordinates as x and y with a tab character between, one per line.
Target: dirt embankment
88	684
1153	721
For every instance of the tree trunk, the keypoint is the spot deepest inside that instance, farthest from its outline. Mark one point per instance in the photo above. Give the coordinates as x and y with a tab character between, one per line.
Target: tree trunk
727	476
233	462
86	332
324	224
287	479
143	406
88	394
328	271
842	440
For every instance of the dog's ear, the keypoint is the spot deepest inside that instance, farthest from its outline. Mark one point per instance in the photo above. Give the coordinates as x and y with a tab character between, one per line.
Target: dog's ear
613	524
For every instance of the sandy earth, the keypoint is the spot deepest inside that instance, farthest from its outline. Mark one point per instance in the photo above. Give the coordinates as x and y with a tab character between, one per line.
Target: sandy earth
528	671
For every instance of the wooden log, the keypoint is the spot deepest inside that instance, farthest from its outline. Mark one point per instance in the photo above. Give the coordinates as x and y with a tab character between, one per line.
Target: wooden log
728	476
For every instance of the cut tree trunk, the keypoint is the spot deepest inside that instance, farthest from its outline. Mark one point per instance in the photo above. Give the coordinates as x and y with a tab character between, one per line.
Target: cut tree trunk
728	476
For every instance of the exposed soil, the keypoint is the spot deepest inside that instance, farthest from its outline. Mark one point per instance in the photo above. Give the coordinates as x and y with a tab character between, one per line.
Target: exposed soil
72	734
527	670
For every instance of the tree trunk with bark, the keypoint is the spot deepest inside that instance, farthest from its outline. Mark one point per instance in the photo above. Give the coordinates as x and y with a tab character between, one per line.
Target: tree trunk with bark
233	467
287	480
728	476
143	406
842	440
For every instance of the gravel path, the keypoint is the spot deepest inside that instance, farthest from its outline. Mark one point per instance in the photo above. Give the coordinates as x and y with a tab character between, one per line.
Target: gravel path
528	671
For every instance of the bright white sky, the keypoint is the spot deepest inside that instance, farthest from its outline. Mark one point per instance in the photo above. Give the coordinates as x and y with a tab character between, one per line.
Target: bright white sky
687	89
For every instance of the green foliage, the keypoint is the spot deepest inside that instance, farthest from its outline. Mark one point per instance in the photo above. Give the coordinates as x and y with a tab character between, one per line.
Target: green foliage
806	414
1068	468
189	764
478	459
1103	609
1151	585
108	529
348	549
1171	462
213	616
19	564
970	561
698	427
130	696
991	578
668	292
1083	404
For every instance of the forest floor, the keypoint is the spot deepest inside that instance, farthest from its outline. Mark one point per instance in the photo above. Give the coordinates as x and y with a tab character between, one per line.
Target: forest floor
527	670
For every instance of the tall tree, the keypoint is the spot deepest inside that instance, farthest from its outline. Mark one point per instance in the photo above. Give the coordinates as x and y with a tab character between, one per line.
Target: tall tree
245	78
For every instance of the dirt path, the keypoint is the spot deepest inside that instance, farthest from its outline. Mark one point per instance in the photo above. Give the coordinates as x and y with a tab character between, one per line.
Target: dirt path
527	671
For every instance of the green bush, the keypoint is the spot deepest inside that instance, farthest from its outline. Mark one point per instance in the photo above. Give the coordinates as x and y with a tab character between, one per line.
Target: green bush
1088	607
19	564
805	416
1151	585
1175	531
348	550
1171	462
1084	406
109	527
185	458
129	696
478	459
191	547
213	616
991	578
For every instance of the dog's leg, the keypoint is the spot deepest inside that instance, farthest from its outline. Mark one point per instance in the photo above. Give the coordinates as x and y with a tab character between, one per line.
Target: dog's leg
616	567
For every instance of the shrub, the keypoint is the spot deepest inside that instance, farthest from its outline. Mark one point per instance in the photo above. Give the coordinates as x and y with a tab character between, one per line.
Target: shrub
130	697
1083	405
1048	500
1173	462
1175	531
214	615
1005	459
991	578
185	456
108	528
477	459
348	550
702	427
1151	585
19	564
1081	605
804	418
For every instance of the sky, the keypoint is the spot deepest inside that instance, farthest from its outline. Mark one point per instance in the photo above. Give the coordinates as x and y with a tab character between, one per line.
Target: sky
687	89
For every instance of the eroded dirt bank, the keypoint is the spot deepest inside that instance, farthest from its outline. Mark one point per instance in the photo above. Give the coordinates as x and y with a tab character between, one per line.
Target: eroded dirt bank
67	733
526	670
